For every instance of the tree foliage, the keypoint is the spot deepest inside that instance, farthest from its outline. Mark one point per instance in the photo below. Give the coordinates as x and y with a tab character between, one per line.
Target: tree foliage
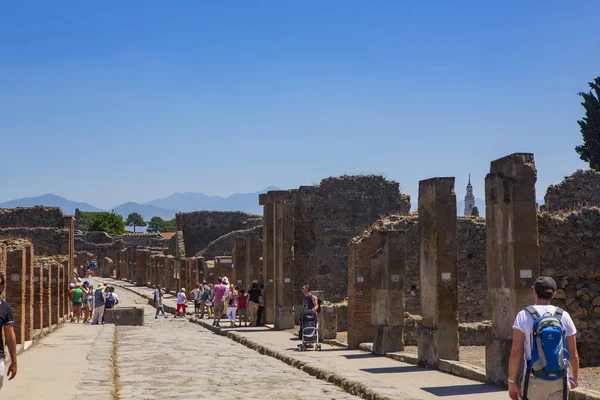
475	212
589	125
134	219
157	224
109	222
83	219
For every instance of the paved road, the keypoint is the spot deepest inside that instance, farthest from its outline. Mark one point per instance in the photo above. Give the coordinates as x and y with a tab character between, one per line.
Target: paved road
175	359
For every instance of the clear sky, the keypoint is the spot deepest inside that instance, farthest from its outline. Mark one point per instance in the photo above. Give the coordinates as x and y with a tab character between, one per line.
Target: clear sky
114	101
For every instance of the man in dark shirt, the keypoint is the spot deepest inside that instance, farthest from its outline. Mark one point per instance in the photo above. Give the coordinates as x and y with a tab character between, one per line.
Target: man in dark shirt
7	322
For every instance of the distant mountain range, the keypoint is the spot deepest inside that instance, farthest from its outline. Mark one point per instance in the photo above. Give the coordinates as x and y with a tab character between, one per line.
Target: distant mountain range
165	208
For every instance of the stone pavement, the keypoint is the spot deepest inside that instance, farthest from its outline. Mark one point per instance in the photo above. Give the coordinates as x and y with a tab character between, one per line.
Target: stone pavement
357	371
58	367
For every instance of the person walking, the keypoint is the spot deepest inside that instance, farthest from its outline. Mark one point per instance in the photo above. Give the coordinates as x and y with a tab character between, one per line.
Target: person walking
260	313
232	305
310	302
545	336
253	303
7	322
160	308
219	301
210	301
77	302
243	308
88	298
197	293
99	299
204	298
157	293
70	301
181	303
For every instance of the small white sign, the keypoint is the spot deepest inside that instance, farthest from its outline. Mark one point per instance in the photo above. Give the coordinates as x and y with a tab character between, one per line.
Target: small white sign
270	280
287	280
225	261
36	278
53	280
45	279
239	281
15	277
525	273
446	276
360	279
395	278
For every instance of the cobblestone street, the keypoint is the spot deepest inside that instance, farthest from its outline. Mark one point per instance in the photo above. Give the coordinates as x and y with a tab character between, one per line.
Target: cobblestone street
174	359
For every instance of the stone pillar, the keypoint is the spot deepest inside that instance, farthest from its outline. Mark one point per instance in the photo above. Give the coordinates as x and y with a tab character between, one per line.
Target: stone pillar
63	287
3	267
252	258
38	297
328	322
284	289
268	262
55	294
360	324
141	278
513	258
238	255
16	261
160	270
69	225
29	296
201	274
438	337
183	275
387	310
47	294
168	277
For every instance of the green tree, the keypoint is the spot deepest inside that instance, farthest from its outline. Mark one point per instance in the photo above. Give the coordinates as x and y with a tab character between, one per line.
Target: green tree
475	212
134	219
156	224
589	125
109	222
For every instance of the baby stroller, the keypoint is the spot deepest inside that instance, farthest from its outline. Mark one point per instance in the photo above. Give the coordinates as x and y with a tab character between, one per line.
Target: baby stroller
310	330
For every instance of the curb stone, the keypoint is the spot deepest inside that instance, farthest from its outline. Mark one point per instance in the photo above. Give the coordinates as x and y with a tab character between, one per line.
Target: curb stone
100	379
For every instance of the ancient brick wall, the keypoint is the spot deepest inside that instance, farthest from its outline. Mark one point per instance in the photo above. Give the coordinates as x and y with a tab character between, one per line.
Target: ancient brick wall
578	190
223	245
570	252
328	216
202	227
16	269
31	217
46	241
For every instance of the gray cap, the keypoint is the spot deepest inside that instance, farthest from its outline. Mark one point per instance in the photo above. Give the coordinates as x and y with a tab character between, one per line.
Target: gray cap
545	285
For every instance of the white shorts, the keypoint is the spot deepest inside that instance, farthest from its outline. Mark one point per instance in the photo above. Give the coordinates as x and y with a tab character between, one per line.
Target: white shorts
2	371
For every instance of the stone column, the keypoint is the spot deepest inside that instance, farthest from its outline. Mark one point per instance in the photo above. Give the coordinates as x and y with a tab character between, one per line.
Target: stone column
160	270
38	297
438	337
387	277
268	262
54	294
513	258
284	290
69	225
252	258
360	324
238	257
3	267
141	278
47	293
63	287
16	259
29	296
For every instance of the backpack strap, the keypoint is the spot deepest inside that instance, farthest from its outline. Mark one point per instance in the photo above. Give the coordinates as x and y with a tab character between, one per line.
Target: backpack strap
558	312
531	310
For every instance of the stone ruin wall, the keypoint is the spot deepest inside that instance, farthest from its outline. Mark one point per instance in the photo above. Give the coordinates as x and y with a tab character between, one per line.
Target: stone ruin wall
570	253
223	245
581	189
328	216
199	228
31	217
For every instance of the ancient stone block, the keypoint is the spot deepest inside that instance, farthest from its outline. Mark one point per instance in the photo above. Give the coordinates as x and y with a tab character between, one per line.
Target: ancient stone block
387	277
38	297
513	261
253	253
269	262
55	293
47	294
238	255
141	270
29	294
438	338
328	322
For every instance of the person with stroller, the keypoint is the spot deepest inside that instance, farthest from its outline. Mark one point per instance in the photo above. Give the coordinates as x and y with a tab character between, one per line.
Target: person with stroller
310	302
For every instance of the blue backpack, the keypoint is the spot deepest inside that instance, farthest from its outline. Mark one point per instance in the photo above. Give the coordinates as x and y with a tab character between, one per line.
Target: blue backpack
549	355
110	301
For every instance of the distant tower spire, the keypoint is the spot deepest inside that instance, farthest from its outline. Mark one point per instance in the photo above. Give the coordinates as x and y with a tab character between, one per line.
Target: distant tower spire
469	199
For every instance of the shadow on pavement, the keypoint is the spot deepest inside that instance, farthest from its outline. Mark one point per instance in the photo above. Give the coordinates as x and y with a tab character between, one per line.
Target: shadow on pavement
443	391
392	370
356	356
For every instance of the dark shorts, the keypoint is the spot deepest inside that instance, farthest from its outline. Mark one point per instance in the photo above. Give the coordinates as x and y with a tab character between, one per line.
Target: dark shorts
197	303
243	313
76	304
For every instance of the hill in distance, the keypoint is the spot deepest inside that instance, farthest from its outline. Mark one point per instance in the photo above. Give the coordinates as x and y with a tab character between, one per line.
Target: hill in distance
50	200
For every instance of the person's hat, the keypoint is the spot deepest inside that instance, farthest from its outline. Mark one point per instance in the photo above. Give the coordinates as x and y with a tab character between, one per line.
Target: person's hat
100	286
225	280
182	289
72	285
545	285
86	282
204	282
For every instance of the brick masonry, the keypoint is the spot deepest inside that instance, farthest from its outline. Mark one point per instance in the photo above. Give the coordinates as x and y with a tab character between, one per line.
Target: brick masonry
16	268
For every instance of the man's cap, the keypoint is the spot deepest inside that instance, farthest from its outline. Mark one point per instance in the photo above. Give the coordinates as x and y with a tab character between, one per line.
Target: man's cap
72	285
183	289
225	280
545	285
204	282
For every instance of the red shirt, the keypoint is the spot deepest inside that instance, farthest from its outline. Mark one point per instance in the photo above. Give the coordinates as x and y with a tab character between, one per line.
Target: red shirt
242	302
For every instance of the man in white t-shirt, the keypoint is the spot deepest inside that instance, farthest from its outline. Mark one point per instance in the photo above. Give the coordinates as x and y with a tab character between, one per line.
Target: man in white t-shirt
198	292
544	290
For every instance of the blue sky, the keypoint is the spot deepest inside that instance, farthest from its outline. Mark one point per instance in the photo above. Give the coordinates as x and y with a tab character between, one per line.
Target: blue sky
116	101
